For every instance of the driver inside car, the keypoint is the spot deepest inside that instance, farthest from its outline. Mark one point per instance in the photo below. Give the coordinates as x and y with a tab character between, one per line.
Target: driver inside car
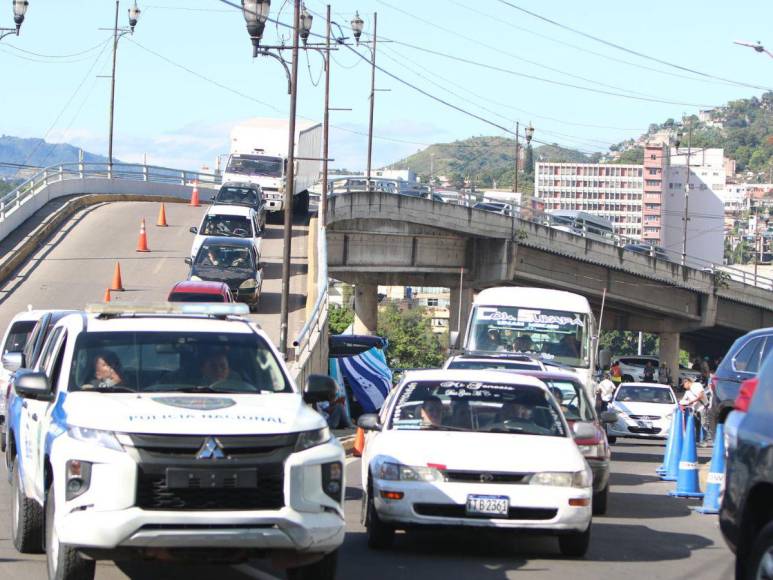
215	368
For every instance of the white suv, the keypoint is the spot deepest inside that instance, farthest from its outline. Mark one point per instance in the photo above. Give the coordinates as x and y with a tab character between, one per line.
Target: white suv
172	435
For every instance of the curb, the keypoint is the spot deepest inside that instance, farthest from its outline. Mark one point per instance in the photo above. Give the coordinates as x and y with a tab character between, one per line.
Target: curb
38	236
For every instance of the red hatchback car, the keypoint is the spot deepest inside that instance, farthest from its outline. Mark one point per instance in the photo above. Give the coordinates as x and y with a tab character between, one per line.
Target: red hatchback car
200	291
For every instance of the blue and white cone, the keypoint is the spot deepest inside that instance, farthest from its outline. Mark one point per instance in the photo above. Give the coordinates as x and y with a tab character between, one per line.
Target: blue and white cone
687	484
716	474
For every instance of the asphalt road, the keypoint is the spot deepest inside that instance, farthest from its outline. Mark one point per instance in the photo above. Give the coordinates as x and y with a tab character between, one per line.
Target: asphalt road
645	535
76	266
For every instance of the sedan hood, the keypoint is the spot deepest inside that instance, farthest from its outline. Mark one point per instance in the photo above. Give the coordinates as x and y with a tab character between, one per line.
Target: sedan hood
194	414
478	451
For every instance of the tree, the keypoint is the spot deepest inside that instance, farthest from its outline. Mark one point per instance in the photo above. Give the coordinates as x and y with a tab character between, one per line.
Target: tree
339	318
412	344
626	343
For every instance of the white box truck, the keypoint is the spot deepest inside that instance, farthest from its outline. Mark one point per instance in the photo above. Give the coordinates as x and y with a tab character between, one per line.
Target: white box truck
259	156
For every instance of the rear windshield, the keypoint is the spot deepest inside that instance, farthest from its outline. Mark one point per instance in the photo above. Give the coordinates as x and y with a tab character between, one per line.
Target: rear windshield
485	407
162	362
195	297
18	337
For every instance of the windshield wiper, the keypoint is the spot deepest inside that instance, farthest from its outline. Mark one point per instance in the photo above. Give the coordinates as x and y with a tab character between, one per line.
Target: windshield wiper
428	425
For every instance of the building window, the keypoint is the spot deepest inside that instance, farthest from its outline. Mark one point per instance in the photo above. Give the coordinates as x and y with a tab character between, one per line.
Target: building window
432	301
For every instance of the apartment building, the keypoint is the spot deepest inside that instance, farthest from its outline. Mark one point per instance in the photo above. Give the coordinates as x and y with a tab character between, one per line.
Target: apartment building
610	191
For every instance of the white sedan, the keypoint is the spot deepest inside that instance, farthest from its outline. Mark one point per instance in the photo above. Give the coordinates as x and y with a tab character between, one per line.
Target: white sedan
644	410
475	448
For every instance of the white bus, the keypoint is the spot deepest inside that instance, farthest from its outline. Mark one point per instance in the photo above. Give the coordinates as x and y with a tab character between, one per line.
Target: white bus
584	224
556	326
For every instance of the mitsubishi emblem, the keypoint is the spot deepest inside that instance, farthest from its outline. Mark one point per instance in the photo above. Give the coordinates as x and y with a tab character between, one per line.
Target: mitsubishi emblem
210	450
486	478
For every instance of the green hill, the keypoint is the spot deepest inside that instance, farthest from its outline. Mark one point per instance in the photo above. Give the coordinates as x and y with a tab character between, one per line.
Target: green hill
485	160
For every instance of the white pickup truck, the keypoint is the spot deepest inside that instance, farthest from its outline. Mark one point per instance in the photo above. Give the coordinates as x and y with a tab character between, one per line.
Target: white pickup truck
171	435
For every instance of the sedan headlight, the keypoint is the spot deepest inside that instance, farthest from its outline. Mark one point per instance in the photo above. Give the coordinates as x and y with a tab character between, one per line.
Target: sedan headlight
195	279
247	284
106	439
398	472
309	439
582	478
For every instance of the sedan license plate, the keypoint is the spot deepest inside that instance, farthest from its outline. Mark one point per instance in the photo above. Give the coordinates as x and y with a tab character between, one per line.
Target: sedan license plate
180	478
487	505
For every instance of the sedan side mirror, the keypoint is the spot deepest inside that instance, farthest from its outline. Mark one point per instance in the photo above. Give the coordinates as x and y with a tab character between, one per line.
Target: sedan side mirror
319	388
194	230
33	385
189	261
582	430
13	361
608	417
369	422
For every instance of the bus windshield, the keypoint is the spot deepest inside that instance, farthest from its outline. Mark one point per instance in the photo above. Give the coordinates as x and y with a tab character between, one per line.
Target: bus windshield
554	335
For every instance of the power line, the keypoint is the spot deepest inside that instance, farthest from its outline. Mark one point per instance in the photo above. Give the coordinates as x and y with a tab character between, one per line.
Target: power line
628	50
82	52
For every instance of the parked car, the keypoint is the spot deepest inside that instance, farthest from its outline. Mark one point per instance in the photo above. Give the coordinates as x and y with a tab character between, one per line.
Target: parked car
745	515
577	407
648	250
632	369
475	449
230	221
233	261
644	410
495	207
742	361
244	194
200	291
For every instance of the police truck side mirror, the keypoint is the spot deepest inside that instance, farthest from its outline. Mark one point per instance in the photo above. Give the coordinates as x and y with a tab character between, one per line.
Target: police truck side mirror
319	388
33	385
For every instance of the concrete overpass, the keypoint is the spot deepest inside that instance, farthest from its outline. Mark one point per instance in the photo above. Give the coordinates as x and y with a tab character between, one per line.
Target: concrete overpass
376	238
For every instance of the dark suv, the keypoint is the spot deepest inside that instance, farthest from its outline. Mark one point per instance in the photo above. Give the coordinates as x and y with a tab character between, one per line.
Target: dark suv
746	514
741	362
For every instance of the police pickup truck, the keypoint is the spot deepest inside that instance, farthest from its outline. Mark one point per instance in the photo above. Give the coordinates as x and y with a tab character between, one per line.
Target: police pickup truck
171	433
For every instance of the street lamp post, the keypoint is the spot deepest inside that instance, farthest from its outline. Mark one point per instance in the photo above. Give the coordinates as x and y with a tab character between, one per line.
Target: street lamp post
358	26
118	33
517	146
686	217
19	12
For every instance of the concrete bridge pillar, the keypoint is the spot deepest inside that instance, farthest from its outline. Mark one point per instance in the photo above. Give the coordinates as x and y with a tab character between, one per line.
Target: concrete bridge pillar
669	353
459	310
365	308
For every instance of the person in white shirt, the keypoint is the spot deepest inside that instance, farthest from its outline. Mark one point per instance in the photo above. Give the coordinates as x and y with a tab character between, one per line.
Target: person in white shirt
605	391
695	398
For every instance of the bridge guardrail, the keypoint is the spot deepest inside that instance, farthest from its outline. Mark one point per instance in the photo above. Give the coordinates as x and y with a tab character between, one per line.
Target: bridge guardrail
541	217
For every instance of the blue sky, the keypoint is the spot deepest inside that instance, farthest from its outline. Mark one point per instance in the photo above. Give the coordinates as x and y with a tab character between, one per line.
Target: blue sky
179	119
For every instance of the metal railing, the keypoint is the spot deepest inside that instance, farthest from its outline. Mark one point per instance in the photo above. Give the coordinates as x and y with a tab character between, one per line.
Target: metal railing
124	171
313	335
544	218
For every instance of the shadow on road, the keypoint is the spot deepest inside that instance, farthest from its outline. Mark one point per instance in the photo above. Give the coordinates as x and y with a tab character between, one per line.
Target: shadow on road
647	506
167	571
618	455
631	479
636	543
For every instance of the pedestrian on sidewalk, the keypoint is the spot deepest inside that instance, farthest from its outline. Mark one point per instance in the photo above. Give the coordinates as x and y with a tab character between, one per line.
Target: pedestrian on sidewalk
664	375
335	413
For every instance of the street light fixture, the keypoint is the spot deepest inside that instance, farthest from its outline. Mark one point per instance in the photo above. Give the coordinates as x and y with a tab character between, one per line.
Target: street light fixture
118	33
306	22
757	46
529	133
19	12
255	15
358	25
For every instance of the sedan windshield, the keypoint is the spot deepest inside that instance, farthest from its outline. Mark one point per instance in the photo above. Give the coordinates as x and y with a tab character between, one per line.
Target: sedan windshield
230	226
477	406
189	362
224	256
644	395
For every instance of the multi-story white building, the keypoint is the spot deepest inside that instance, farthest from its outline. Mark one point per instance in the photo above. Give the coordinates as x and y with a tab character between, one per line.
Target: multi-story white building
610	191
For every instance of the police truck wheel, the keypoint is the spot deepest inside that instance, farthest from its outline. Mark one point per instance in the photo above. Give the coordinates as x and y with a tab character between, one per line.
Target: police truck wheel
574	545
600	502
325	569
380	535
26	517
64	562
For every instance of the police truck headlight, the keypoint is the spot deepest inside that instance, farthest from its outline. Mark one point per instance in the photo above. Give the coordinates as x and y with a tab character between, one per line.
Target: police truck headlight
105	439
309	439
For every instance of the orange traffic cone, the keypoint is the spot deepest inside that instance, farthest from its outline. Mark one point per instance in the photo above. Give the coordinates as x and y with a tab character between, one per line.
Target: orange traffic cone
107	295
161	221
359	442
142	242
195	194
117	285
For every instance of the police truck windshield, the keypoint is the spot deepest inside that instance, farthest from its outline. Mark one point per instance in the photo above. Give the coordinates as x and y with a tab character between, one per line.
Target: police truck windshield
554	335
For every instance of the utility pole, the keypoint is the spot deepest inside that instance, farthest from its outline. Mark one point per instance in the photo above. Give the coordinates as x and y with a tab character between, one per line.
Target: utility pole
686	217
326	126
290	187
372	97
517	146
431	173
112	93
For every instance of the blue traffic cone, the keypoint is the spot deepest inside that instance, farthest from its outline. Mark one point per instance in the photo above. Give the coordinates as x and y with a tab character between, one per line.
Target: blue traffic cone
687	480
663	468
672	459
716	474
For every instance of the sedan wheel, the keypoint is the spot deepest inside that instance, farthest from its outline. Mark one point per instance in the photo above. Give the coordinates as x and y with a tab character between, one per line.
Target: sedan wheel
380	535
